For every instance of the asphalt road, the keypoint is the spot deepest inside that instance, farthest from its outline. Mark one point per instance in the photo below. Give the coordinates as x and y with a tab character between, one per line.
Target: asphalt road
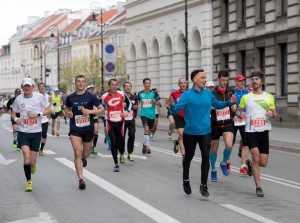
146	190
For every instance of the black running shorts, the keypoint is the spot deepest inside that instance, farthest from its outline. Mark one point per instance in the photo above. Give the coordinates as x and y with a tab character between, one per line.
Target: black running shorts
147	121
33	140
85	136
179	122
217	131
260	140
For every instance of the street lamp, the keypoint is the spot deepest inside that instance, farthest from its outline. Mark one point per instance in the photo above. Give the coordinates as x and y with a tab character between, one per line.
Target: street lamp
51	28
186	42
95	7
40	56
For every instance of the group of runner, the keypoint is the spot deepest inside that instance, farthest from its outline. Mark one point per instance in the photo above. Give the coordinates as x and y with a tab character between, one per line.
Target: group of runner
200	115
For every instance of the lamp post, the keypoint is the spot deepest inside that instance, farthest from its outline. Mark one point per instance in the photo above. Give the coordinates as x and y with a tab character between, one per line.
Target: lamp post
95	6
186	42
40	57
52	27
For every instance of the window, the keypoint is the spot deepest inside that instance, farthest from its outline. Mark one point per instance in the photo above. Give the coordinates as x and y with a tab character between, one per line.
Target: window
243	62
119	40
262	10
243	12
262	59
225	14
284	6
225	61
111	39
283	70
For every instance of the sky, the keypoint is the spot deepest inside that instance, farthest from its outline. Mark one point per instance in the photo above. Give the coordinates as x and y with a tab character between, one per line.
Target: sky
15	12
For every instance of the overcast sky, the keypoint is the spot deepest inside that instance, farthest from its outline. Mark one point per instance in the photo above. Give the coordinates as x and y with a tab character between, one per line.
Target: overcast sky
16	12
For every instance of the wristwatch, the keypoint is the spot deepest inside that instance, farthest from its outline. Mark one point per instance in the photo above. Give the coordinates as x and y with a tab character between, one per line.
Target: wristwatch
40	114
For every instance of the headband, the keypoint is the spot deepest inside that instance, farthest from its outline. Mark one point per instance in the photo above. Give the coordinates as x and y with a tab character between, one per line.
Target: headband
197	76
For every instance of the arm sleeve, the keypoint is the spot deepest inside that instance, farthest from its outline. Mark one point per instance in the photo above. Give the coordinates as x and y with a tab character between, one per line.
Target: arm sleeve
243	102
15	107
68	102
219	104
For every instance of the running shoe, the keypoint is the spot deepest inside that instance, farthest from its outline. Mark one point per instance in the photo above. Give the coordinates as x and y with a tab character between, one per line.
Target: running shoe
18	149
204	190
41	152
224	169
144	149
94	151
259	192
53	133
228	166
33	169
214	175
240	153
117	168
130	157
82	184
175	148
14	145
84	161
248	162
28	187
243	170
186	186
122	159
148	150
57	133
170	136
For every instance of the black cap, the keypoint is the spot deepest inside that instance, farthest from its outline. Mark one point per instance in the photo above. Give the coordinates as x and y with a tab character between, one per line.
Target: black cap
258	74
17	91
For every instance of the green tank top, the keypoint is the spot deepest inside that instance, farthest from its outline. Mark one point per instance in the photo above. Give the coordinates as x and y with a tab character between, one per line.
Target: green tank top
57	100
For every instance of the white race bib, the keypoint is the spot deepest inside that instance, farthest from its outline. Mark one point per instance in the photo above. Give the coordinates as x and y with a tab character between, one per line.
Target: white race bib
115	116
239	121
258	123
82	120
223	114
130	116
30	123
147	103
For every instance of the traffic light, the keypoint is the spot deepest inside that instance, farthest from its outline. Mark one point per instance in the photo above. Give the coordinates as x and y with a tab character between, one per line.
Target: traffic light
47	72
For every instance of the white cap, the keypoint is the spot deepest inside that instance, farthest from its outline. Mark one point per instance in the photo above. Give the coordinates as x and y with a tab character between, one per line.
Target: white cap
209	84
90	86
27	81
55	89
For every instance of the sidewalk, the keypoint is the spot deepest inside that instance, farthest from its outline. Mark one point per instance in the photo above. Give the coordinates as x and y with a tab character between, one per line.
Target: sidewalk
284	139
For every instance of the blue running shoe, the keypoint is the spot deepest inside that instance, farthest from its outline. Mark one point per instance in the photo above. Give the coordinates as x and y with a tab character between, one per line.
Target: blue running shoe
213	176
224	169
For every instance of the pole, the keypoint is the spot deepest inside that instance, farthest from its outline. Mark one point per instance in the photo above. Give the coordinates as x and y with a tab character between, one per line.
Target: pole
41	58
58	67
186	44
102	69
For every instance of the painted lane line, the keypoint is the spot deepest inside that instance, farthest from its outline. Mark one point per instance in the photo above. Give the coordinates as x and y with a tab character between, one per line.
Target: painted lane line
49	152
110	156
133	201
248	214
5	161
43	217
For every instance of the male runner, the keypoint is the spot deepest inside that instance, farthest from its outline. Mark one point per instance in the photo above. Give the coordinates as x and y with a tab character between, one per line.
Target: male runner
90	88
13	123
210	85
196	104
170	117
31	106
130	121
239	123
45	118
221	125
148	100
57	103
80	109
116	111
179	118
260	106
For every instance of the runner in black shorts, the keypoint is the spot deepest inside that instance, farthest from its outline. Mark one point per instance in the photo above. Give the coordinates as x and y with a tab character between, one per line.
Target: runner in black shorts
80	109
221	125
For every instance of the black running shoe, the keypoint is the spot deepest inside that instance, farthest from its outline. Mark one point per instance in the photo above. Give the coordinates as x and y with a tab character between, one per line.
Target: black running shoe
259	192
84	162
204	190
187	187
82	184
248	162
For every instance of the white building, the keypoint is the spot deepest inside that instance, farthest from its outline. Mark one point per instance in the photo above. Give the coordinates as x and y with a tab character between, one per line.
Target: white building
155	48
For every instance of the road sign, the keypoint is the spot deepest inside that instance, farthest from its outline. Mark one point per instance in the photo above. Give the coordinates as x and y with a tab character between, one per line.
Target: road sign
110	67
110	54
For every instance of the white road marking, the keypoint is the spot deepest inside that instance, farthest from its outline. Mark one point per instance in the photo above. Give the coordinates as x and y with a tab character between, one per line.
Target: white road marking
43	217
5	161
133	201
49	152
248	214
110	156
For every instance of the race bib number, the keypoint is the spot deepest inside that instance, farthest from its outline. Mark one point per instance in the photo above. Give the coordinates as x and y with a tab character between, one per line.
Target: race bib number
223	114
147	103
239	121
30	123
258	124
115	116
130	116
82	120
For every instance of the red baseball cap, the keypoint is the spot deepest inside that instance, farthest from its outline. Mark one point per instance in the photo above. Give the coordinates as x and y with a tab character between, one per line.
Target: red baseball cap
240	77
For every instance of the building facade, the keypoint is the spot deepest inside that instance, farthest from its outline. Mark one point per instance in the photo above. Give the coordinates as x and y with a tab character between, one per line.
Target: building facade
261	35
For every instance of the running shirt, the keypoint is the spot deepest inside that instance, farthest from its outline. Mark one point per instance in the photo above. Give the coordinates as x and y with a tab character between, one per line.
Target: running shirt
56	102
147	104
176	95
37	103
45	118
79	122
115	105
239	93
257	107
9	106
132	112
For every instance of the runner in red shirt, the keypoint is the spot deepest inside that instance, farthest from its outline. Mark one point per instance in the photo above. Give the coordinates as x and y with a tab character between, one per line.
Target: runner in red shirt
116	111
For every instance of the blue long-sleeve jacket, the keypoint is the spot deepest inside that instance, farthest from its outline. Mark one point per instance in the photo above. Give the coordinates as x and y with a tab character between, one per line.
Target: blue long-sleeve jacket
197	107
